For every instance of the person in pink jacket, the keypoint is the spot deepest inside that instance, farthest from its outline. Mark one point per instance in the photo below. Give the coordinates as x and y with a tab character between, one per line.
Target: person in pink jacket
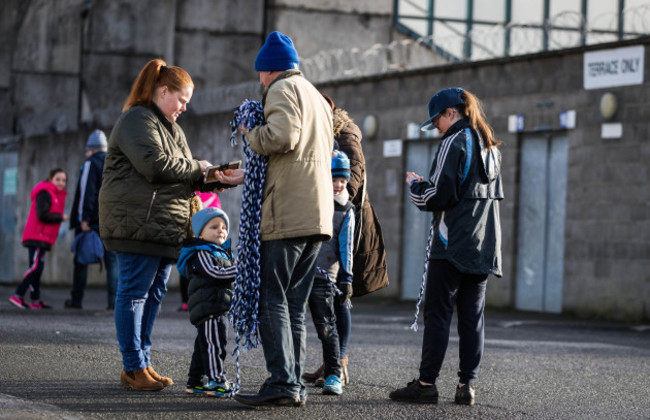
41	230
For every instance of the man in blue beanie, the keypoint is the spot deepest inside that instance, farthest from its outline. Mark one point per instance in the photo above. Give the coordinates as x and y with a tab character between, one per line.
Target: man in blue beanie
297	213
84	217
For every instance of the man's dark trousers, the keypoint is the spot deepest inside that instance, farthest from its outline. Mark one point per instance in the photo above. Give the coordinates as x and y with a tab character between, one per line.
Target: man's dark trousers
287	274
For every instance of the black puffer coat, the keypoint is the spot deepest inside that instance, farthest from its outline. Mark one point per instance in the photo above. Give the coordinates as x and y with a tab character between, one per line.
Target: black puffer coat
211	273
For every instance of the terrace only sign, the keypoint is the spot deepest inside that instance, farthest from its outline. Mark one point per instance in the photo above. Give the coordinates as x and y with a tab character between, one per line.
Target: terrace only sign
615	67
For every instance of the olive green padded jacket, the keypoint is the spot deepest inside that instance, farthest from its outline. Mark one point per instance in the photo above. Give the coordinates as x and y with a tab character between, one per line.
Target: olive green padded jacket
149	179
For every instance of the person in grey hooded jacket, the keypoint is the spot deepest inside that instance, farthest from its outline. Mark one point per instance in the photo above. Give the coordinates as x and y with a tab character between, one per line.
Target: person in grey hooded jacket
463	192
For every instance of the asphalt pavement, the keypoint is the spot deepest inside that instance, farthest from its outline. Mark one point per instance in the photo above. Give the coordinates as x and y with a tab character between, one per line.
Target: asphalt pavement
65	364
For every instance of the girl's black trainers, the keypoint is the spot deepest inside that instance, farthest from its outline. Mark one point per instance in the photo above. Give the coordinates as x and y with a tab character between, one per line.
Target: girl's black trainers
416	393
465	395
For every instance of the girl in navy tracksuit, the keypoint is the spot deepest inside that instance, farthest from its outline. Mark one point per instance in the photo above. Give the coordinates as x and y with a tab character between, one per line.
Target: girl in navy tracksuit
463	191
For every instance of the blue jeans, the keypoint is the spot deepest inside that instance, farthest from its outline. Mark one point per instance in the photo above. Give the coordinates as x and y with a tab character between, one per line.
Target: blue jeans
80	278
287	274
321	305
447	287
140	290
343	325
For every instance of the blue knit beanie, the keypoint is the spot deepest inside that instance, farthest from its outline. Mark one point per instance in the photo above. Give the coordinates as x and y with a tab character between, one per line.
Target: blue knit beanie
340	165
96	141
202	217
277	54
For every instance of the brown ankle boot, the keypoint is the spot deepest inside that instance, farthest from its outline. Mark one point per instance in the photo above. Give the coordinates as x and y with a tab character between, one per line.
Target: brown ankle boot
345	378
320	382
162	379
311	377
140	380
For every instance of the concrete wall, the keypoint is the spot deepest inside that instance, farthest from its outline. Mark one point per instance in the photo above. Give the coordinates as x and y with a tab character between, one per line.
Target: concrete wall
318	25
71	69
73	62
70	65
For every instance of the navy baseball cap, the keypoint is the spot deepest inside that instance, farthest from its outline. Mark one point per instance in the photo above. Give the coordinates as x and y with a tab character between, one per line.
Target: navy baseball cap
442	100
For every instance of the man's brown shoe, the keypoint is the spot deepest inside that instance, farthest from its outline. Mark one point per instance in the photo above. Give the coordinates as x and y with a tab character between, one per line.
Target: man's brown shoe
311	377
140	380
162	379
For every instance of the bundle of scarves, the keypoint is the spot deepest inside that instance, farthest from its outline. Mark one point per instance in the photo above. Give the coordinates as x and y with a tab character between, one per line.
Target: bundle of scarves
414	325
246	294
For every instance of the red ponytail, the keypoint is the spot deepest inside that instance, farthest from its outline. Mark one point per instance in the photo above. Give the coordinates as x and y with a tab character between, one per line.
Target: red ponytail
154	74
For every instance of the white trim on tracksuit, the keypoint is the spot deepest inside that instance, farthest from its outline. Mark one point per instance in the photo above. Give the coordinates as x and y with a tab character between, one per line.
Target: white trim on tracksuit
216	371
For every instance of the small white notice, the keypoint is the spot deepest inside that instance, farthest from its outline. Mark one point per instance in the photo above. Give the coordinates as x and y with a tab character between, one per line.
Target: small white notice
10	181
515	123
392	148
568	119
611	131
413	131
614	67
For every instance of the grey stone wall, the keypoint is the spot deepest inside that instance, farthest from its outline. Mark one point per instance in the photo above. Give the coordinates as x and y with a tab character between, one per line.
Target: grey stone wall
217	41
70	71
73	62
318	25
69	65
45	67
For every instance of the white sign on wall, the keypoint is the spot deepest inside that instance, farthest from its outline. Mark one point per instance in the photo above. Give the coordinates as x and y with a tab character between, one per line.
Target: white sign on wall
413	131
611	131
568	119
515	123
615	67
392	148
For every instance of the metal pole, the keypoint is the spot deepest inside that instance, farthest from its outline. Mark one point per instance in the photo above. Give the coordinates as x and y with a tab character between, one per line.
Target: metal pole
547	13
583	24
621	20
468	30
508	19
395	12
430	19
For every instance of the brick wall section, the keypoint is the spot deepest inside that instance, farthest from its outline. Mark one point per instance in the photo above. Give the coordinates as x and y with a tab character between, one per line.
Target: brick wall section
607	245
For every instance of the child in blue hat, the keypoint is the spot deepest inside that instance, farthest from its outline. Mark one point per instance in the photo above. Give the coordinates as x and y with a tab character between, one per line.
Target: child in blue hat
208	263
335	258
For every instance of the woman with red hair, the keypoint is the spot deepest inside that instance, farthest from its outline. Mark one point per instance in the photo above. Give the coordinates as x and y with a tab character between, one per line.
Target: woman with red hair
144	208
